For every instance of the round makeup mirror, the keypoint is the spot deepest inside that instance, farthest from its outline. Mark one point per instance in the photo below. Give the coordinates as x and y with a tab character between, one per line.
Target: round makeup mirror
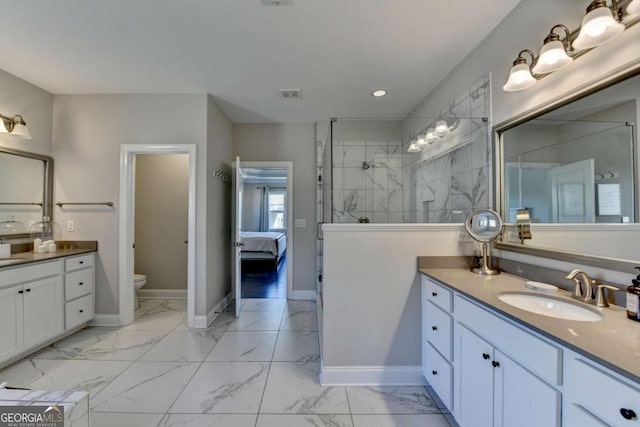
484	226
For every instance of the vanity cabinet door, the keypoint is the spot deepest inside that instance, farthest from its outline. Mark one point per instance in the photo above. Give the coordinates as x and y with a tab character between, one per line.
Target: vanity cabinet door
11	338
473	404
521	398
43	310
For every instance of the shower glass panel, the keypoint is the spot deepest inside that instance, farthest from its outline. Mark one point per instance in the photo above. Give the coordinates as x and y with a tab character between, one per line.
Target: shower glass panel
368	176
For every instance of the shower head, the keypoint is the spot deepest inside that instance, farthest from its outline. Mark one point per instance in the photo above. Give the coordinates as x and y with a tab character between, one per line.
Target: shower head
365	165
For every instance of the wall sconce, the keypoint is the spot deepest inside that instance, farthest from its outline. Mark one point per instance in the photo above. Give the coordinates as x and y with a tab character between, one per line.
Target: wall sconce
600	24
520	76
15	126
553	54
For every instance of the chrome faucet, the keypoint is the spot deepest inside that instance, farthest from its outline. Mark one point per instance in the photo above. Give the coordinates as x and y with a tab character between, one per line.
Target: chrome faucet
584	285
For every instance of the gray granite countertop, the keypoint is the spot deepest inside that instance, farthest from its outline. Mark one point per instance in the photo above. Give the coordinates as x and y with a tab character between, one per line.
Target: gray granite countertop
613	341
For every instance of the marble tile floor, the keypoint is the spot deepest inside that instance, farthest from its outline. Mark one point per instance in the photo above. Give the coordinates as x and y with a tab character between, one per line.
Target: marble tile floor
260	370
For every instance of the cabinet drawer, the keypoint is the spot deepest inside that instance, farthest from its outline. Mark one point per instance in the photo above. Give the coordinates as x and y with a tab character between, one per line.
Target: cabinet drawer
438	329
601	394
78	262
30	272
439	295
577	416
78	311
439	373
538	356
78	283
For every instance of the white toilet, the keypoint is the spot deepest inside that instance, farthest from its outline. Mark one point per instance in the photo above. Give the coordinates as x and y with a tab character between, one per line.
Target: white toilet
139	280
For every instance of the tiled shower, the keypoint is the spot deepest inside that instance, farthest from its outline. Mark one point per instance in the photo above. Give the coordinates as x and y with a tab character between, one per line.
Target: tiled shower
367	172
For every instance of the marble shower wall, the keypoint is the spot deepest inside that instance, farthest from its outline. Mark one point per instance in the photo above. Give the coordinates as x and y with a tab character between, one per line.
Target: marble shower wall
453	176
367	181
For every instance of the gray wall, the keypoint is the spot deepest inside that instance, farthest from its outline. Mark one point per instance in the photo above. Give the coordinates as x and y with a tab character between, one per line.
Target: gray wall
161	219
34	105
218	206
88	131
289	142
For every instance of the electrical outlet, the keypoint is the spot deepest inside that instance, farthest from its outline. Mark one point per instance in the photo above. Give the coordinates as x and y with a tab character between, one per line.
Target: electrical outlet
512	236
71	226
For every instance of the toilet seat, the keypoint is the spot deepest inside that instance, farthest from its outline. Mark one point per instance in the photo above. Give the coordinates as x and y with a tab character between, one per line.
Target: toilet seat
139	278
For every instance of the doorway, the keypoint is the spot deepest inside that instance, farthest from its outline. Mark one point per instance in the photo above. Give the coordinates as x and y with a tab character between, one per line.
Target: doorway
263	196
128	155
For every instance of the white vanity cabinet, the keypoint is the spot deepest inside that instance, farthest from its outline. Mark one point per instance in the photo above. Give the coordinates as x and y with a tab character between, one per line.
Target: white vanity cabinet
487	370
78	290
39	303
32	305
493	390
437	330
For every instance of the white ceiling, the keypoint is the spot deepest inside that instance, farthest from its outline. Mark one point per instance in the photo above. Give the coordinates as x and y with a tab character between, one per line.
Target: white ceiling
335	51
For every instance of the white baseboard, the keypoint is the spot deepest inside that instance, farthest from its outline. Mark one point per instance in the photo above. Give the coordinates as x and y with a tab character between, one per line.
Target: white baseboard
162	293
105	320
303	295
202	321
372	376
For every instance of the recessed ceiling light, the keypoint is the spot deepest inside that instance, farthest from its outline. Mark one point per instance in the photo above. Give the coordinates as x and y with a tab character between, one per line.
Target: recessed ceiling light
378	93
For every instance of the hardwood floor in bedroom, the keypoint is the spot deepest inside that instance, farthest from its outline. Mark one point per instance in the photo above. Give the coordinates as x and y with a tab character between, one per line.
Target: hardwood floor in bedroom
261	280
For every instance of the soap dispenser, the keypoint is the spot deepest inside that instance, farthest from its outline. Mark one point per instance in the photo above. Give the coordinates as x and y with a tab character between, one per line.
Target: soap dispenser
633	299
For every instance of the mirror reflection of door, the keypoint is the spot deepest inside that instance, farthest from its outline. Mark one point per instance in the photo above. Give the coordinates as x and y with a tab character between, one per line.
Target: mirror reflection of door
573	192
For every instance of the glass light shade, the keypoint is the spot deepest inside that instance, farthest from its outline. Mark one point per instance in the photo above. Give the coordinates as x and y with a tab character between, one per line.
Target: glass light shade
633	8
21	130
413	148
442	129
421	141
553	56
520	78
3	127
431	136
598	27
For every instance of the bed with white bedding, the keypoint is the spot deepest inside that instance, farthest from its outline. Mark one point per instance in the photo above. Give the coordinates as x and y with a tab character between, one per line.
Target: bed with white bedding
263	245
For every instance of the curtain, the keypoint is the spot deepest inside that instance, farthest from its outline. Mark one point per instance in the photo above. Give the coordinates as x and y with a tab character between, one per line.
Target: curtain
264	209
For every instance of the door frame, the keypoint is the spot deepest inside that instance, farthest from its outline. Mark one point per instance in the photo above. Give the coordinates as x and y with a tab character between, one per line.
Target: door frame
126	236
288	165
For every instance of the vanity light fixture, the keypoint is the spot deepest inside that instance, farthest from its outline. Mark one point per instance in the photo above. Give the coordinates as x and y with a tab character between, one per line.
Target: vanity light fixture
431	136
553	54
633	8
413	148
442	128
378	93
520	76
14	126
422	140
599	25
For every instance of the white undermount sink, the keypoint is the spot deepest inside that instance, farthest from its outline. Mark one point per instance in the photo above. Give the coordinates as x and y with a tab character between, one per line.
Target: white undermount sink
550	306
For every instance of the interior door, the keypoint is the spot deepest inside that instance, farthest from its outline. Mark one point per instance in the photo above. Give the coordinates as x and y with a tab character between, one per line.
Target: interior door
573	192
236	242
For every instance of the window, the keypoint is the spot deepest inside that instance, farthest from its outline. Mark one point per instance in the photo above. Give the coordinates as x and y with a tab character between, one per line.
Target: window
276	208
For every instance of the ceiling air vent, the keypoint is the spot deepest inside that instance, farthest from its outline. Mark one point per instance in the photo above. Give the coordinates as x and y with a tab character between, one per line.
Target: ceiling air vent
277	2
290	94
